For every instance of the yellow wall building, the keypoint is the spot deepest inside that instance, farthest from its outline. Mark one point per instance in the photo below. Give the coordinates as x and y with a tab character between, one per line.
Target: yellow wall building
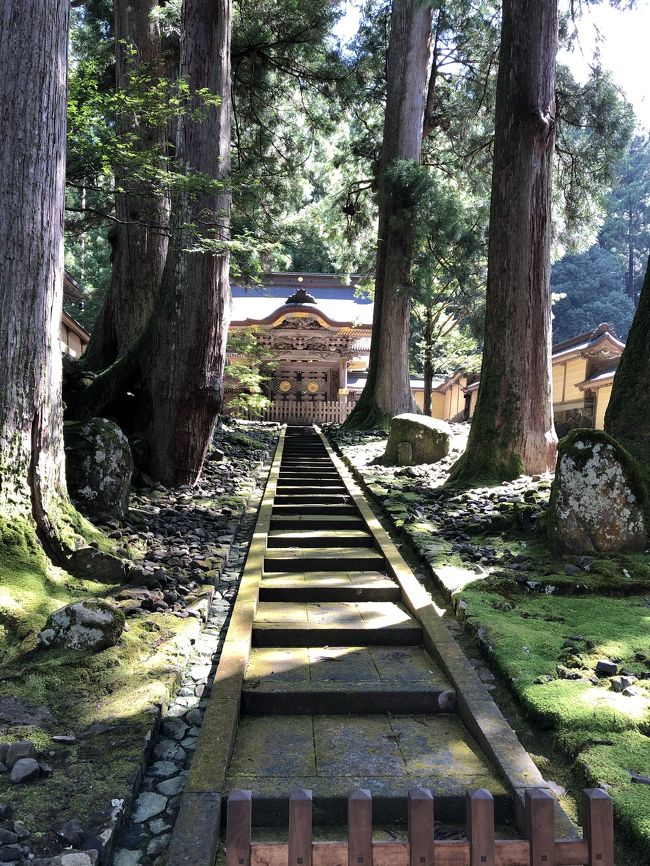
583	375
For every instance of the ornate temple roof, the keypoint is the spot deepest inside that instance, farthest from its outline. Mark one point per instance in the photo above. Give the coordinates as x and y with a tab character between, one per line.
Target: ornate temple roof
329	296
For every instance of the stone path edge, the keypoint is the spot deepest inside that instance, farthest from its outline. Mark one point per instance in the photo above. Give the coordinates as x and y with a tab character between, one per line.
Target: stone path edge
475	704
195	837
120	814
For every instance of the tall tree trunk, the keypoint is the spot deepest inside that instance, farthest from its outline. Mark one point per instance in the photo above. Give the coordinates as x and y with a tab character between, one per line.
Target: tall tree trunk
512	429
33	75
175	369
388	391
628	413
428	359
141	235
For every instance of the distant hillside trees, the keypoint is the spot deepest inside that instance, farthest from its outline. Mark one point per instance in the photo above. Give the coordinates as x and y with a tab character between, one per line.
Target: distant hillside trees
590	289
603	283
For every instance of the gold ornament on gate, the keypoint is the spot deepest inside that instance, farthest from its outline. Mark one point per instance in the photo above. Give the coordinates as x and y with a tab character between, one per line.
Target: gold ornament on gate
284	387
312	387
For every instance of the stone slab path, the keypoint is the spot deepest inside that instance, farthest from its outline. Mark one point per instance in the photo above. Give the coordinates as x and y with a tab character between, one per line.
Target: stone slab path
339	691
338	673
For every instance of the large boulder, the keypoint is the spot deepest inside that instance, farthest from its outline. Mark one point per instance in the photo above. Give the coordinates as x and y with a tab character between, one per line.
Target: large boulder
90	625
416	439
598	498
99	466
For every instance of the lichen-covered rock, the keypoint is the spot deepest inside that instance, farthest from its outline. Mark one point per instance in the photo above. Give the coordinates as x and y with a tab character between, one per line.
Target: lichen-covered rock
598	498
429	438
90	625
99	466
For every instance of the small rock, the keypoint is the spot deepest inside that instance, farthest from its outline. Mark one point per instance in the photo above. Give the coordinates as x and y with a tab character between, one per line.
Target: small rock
606	668
7	837
72	833
158	826
630	692
5	811
171	787
164	769
571	569
20	830
158	845
16	751
93	564
11	853
543	679
148	805
174	727
91	624
639	778
125	857
64	739
25	770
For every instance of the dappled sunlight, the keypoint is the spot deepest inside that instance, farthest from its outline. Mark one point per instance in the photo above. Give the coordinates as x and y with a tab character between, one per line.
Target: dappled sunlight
633	707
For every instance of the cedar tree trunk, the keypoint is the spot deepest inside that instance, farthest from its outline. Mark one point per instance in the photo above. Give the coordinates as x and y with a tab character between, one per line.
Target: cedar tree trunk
388	390
33	75
141	235
627	418
512	429
175	369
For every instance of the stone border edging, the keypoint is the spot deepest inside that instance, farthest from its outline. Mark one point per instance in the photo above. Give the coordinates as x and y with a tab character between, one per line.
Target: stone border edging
202	606
476	706
195	836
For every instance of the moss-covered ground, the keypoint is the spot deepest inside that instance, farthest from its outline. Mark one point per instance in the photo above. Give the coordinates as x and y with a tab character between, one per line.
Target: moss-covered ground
107	700
543	621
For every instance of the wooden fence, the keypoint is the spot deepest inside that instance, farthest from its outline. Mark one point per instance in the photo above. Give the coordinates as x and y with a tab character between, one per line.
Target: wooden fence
303	412
481	848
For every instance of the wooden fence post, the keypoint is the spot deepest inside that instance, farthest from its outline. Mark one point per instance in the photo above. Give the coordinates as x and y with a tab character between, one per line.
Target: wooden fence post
420	819
480	827
540	826
360	828
300	828
238	828
598	824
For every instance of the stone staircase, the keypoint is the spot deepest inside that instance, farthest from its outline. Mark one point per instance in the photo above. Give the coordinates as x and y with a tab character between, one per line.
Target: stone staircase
339	691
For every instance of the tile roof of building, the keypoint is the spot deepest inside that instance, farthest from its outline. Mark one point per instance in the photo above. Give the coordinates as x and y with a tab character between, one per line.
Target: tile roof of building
334	297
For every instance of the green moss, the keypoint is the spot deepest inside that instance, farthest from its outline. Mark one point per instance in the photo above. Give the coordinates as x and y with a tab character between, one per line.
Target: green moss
612	763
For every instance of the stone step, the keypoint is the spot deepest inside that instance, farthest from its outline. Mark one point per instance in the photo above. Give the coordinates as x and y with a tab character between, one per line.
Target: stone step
331	754
310	498
344	680
329	586
338	507
303	538
313	489
297	460
334	624
314	559
309	479
298	520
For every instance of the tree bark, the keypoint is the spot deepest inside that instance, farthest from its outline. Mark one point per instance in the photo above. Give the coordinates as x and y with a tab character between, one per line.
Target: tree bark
627	418
512	429
141	236
33	75
388	391
175	369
